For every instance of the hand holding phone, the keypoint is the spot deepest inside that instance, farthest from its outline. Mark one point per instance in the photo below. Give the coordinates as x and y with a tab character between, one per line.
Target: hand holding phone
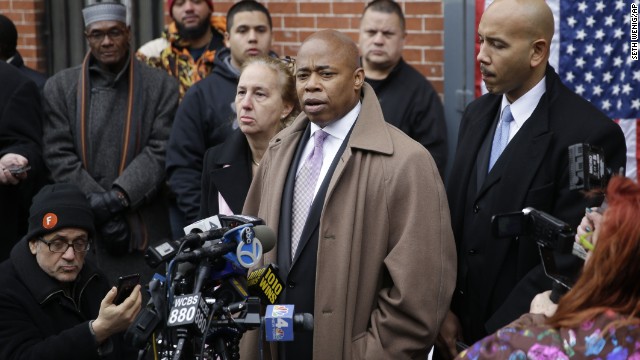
125	287
15	170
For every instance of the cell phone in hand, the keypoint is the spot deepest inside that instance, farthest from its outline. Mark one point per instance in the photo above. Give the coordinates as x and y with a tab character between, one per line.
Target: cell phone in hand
15	170
125	287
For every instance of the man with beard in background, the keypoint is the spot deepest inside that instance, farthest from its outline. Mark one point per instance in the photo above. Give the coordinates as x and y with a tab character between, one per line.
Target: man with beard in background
188	45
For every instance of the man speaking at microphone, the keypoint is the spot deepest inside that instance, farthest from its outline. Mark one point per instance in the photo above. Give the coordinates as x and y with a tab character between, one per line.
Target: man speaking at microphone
364	237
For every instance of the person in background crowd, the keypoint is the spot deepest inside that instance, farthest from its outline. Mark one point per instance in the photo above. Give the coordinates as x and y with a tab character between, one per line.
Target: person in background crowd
9	52
599	317
53	303
266	102
364	238
206	116
189	44
22	169
408	100
106	127
512	154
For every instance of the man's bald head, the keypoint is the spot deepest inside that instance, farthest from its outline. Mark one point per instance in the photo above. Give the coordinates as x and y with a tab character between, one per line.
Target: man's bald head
534	17
328	76
515	42
344	46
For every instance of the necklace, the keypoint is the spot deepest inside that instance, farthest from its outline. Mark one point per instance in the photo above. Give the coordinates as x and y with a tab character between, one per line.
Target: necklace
254	162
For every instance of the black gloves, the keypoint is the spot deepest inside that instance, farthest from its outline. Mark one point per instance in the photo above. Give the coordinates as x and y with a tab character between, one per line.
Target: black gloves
115	235
107	204
112	225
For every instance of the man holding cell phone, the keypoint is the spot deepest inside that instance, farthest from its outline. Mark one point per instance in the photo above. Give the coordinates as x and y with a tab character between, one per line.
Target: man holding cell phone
53	303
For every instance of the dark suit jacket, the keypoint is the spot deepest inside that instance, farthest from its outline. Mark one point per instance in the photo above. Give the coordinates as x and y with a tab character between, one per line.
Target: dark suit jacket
498	278
299	273
232	181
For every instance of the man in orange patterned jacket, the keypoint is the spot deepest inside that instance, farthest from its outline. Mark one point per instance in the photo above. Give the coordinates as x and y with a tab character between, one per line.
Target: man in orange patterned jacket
188	45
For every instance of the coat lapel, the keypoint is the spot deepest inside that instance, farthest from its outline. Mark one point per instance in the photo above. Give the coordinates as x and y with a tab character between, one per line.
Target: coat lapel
521	158
511	176
364	135
232	181
283	150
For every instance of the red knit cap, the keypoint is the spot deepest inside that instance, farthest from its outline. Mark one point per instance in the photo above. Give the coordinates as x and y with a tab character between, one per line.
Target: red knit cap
171	2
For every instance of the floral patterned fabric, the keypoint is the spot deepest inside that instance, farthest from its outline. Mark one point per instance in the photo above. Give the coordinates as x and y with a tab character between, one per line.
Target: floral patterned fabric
177	60
529	338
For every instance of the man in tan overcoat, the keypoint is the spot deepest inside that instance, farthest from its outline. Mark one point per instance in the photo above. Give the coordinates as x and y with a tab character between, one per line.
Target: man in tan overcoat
375	261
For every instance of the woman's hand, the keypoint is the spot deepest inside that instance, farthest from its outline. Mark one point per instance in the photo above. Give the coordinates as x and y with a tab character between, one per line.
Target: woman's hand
542	304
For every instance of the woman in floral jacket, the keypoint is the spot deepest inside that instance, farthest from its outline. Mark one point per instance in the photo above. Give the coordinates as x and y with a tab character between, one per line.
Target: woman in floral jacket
599	318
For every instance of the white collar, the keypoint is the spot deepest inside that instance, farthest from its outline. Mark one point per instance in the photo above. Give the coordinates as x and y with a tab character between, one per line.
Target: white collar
522	108
341	127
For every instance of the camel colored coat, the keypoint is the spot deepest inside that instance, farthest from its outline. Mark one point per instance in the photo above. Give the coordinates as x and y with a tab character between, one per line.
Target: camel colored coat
386	259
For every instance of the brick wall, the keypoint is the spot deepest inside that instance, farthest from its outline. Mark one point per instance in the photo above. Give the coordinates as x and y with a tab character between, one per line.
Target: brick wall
27	15
293	21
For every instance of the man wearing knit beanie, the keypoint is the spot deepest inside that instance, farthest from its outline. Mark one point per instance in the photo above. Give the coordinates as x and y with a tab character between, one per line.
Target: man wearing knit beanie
48	293
188	45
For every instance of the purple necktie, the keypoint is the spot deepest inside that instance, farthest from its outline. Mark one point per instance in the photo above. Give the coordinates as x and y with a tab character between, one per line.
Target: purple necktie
501	137
304	188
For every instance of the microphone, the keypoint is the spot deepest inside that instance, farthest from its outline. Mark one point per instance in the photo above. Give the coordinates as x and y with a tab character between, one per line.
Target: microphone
197	234
232	221
211	251
247	241
281	321
265	284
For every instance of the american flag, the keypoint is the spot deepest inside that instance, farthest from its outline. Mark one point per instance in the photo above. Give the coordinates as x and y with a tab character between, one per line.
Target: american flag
591	53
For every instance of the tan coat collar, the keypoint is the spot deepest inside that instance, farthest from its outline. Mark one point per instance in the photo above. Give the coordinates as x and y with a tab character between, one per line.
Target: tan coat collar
370	131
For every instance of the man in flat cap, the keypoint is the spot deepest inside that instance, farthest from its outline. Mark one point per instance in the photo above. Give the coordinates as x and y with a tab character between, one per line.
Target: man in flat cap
53	304
106	125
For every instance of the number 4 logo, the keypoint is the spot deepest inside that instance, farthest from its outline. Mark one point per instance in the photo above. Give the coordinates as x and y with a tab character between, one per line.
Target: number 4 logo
281	323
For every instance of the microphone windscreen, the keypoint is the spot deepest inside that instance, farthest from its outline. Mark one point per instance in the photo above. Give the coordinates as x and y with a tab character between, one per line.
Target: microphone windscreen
266	236
304	321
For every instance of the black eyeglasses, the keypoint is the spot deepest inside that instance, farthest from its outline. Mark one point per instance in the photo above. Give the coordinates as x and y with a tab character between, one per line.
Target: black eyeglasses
61	246
98	36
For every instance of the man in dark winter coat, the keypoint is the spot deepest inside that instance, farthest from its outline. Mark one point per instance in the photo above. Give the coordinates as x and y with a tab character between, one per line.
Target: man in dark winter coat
207	115
408	100
53	304
22	170
512	154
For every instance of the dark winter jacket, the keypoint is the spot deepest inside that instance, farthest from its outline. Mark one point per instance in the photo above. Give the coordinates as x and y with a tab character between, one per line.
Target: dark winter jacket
37	319
205	117
410	103
20	133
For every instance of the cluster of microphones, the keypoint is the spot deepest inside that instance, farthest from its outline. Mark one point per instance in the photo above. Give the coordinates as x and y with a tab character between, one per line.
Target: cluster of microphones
207	298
